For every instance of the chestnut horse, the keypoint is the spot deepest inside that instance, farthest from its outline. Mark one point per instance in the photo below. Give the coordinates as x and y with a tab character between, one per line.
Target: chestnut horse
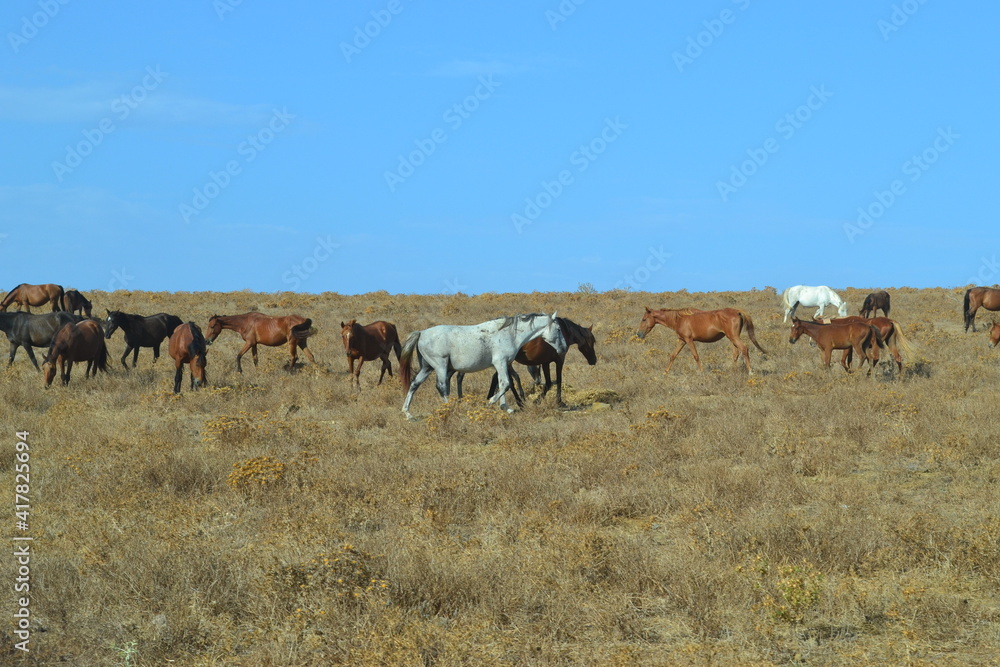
367	343
187	345
259	329
703	326
995	334
976	298
891	334
25	295
874	302
82	341
73	301
854	336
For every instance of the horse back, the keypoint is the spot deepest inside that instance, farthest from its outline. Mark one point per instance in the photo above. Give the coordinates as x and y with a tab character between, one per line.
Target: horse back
535	352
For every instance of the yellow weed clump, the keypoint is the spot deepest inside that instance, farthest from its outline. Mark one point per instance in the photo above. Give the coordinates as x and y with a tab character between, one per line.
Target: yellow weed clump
258	471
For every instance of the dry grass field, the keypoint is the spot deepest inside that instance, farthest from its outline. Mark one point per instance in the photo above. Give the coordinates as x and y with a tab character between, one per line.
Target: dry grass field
798	515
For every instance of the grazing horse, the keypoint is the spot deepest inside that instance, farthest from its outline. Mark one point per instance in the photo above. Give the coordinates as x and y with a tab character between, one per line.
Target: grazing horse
537	353
976	298
803	295
891	334
873	303
447	349
187	345
25	295
73	301
702	326
259	329
140	331
367	343
82	341
995	334
28	330
855	336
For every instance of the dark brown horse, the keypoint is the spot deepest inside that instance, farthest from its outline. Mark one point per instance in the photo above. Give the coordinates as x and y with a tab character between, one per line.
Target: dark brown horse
873	303
73	301
976	298
537	353
76	342
703	326
259	329
367	343
854	336
891	334
187	346
25	296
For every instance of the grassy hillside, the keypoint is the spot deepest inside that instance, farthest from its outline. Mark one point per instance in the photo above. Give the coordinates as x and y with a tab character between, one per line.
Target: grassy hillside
284	518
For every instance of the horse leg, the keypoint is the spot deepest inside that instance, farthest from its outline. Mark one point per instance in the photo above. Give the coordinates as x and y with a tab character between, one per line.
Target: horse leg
503	384
386	366
444	385
128	348
13	351
680	346
548	380
357	373
746	355
66	374
494	383
156	353
293	348
559	365
418	380
135	356
695	353
535	374
306	351
178	375
253	353
239	356
31	355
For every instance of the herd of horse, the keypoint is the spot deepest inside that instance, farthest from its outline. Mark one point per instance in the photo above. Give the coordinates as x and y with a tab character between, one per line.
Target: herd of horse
535	340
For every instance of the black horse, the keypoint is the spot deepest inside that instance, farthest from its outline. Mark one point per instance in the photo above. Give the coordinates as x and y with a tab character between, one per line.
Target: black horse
141	331
73	301
874	302
28	330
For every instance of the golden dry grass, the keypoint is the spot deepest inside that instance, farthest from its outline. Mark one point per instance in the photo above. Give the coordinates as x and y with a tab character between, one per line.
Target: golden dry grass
798	515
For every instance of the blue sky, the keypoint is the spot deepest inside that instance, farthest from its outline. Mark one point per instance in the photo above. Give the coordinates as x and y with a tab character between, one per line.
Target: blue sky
422	147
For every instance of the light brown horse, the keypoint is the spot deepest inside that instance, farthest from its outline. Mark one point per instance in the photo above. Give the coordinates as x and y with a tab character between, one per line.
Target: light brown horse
703	326
840	336
187	345
367	343
25	296
76	342
259	329
976	298
891	334
995	334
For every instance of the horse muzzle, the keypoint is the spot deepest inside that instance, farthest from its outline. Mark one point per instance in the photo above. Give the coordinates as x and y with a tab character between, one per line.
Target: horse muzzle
640	334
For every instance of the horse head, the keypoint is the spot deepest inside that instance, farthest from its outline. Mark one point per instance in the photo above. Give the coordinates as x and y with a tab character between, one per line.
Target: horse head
797	330
842	309
646	324
586	346
347	332
995	334
112	323
214	329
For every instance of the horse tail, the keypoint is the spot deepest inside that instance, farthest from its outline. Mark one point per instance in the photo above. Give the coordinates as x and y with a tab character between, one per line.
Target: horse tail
405	372
966	308
303	330
749	323
903	343
784	299
877	336
395	344
102	358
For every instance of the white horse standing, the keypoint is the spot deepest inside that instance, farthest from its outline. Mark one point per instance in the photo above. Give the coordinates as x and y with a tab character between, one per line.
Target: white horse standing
449	349
821	297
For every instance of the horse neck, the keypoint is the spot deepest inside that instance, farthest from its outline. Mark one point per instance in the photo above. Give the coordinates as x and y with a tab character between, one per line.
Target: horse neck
667	318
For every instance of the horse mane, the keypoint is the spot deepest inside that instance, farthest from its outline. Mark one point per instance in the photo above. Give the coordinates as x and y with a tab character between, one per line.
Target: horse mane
520	317
683	311
573	332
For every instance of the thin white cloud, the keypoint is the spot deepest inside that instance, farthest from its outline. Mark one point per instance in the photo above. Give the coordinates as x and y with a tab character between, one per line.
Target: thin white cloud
92	101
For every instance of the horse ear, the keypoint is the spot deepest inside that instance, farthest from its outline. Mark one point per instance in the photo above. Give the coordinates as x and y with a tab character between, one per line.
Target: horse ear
590	328
342	325
648	310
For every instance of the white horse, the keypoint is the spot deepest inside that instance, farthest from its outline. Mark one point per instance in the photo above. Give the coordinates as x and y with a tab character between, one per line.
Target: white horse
449	349
821	297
